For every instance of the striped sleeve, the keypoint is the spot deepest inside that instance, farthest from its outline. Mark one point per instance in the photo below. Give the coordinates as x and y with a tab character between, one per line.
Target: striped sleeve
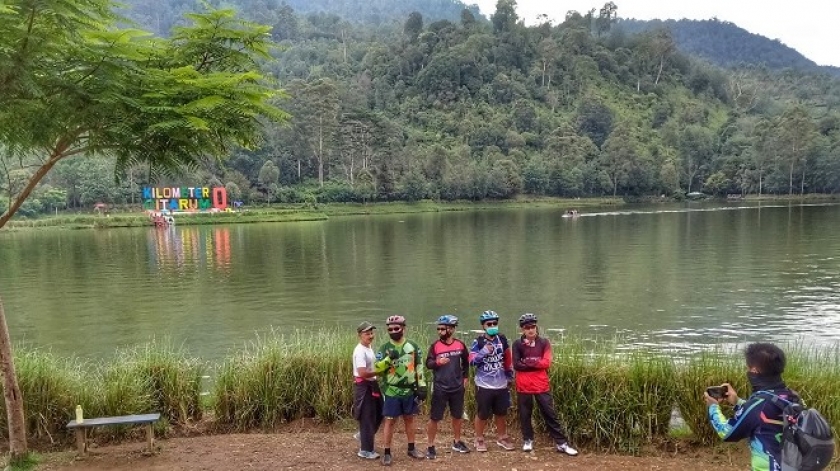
747	416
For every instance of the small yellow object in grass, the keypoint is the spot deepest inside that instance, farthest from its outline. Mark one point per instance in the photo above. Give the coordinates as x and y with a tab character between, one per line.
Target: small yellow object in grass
79	414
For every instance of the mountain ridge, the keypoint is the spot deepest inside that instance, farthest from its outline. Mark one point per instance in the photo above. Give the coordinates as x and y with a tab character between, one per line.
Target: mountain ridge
726	44
720	42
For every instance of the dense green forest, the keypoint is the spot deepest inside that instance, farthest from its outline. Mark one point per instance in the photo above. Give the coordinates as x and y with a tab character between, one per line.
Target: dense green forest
160	16
433	104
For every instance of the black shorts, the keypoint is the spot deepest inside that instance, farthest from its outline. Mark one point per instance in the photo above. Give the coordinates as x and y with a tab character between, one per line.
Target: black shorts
455	401
492	402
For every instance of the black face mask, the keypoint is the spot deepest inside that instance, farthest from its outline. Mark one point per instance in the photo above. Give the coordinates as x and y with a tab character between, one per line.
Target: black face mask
444	336
760	382
396	336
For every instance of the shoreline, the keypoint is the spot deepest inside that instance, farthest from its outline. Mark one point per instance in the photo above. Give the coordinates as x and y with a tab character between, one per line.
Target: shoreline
321	212
300	213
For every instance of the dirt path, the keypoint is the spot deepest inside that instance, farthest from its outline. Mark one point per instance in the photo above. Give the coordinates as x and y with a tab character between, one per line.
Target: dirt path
336	451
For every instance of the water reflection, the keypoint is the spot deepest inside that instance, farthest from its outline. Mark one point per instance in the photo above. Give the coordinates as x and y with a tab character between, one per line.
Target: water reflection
674	277
190	248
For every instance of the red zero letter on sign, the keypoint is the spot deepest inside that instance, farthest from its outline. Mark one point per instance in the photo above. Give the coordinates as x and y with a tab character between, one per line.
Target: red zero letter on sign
220	198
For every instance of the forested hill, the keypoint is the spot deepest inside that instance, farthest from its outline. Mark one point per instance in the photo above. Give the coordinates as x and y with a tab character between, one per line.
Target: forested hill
376	12
726	44
159	16
474	109
722	43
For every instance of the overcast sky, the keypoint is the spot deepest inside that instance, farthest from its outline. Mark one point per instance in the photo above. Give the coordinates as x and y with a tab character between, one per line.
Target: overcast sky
809	26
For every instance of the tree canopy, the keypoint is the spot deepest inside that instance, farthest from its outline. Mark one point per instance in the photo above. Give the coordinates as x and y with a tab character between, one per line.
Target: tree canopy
74	83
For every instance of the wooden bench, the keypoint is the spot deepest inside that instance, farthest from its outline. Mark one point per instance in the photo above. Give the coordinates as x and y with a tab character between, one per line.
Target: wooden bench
81	428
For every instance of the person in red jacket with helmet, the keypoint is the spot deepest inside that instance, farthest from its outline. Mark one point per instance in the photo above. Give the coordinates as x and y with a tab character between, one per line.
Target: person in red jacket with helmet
531	360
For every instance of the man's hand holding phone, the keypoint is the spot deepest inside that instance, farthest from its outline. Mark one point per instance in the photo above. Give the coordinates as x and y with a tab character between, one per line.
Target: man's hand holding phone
716	394
731	395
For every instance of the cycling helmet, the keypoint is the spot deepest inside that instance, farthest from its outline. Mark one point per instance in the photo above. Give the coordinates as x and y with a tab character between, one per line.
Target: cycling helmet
448	319
400	320
488	316
527	318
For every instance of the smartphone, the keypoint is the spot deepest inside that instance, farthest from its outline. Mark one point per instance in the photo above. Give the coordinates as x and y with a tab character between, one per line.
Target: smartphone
717	392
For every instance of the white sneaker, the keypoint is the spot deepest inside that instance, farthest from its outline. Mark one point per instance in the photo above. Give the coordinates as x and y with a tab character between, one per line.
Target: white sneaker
528	445
567	449
368	455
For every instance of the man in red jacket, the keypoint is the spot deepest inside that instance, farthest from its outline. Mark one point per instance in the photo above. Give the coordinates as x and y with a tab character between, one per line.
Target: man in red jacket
531	360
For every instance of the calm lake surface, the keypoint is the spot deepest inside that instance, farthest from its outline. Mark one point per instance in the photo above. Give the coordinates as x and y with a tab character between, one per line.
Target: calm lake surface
673	276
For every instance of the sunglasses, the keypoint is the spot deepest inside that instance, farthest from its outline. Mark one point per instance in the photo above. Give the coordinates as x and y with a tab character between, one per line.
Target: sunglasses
491	324
529	327
394	329
442	329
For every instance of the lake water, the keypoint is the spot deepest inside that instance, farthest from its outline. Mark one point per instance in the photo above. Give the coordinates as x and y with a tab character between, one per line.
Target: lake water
674	276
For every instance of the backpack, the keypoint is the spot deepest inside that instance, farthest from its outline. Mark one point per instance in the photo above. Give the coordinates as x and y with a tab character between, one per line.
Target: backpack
807	438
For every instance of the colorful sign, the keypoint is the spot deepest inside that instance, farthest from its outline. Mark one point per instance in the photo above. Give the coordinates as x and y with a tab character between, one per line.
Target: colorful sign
185	199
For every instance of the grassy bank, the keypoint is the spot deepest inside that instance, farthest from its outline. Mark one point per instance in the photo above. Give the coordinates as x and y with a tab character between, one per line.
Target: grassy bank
139	219
134	217
607	399
299	212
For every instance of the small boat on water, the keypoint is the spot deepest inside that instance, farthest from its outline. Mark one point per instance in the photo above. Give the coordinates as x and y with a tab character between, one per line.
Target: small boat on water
572	213
162	220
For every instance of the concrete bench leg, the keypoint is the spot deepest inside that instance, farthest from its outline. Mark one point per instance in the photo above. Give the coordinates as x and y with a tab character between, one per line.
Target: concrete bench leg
81	444
150	437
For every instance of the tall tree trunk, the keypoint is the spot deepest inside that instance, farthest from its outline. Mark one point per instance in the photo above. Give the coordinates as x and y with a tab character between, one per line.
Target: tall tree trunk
344	44
802	183
790	180
543	73
690	175
759	182
11	392
659	74
320	151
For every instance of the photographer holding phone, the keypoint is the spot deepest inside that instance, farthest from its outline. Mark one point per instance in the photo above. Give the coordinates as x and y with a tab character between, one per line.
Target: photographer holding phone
756	418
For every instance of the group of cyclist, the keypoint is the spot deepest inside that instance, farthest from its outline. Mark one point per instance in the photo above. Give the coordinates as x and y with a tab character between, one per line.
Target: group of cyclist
390	384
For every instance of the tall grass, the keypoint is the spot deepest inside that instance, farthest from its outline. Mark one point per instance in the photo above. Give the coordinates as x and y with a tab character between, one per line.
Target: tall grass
698	372
50	387
152	377
613	401
605	397
283	377
173	378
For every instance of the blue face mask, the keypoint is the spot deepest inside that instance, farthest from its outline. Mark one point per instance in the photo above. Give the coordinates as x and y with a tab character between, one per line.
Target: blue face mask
491	331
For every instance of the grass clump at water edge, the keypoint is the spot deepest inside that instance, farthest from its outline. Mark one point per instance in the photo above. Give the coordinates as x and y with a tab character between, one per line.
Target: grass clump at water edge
284	377
607	398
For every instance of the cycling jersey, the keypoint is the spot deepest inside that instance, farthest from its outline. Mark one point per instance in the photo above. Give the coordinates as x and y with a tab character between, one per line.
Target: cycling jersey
492	370
449	377
758	419
403	374
531	362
